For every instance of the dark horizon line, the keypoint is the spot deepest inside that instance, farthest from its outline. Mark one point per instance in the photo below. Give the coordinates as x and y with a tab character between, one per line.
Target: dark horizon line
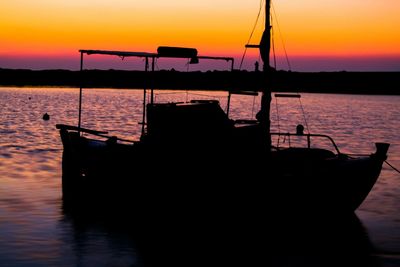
383	83
300	63
203	71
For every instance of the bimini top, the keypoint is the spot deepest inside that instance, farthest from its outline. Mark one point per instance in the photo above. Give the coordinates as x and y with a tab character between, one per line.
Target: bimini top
162	51
118	53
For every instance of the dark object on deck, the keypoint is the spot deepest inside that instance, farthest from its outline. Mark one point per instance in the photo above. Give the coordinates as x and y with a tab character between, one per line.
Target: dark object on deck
300	129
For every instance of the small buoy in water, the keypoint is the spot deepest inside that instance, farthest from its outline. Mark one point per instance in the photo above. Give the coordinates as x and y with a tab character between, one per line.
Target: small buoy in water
46	117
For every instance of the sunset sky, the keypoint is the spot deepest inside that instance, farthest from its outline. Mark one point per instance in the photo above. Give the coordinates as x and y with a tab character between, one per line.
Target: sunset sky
318	35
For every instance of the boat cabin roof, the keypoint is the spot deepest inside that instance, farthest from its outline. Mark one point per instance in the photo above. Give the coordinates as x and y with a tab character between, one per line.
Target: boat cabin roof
162	52
118	53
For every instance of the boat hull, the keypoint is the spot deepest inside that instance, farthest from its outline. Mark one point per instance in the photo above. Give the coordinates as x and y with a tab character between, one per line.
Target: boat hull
189	207
144	175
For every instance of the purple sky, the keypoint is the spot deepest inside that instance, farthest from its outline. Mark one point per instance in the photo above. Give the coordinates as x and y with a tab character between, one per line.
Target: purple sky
306	64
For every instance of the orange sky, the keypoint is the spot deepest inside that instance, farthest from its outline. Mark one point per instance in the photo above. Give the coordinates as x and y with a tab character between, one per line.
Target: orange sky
43	31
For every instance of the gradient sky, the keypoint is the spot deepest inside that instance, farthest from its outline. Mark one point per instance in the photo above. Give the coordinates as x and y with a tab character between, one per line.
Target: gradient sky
318	34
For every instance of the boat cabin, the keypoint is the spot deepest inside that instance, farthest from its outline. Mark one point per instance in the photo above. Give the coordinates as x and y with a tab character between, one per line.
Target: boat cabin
196	120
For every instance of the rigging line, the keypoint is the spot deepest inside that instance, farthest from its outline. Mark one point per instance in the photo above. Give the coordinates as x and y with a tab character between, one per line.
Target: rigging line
280	34
278	120
304	114
252	32
273	46
288	62
241	61
156	63
392	166
252	108
187	70
188	65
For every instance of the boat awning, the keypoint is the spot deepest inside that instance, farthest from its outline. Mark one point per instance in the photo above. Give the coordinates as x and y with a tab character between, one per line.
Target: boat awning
176	52
172	52
216	58
118	53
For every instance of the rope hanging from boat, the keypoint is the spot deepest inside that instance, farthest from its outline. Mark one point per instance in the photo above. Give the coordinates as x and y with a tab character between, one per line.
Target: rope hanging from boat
391	166
277	116
278	121
304	115
302	112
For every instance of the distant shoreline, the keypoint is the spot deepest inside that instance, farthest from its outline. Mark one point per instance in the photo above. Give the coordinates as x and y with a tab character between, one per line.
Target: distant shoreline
375	83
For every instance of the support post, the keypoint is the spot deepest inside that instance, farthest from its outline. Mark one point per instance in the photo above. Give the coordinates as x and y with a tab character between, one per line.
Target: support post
80	95
144	96
152	81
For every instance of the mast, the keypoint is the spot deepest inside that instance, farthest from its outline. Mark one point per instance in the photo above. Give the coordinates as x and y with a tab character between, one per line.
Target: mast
265	46
265	43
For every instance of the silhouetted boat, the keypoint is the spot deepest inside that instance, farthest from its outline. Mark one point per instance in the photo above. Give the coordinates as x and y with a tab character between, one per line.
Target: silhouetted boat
192	161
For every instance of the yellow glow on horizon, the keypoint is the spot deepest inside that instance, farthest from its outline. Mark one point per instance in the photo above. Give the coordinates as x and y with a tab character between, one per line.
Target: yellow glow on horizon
340	27
309	27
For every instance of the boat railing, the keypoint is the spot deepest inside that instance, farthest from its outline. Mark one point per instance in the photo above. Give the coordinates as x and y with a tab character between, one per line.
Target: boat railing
185	96
308	136
104	134
246	122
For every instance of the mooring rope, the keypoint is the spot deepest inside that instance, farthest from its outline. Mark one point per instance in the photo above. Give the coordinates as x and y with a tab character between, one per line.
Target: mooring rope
391	166
366	155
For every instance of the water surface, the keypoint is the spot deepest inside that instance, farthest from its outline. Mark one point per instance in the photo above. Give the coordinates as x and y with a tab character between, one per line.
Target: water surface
34	230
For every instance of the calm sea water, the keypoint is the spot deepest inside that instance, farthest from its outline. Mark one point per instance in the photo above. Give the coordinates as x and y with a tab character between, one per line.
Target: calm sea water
34	230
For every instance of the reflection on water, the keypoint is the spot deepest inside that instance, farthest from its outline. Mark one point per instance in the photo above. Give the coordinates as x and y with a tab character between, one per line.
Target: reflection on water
324	241
35	231
310	240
